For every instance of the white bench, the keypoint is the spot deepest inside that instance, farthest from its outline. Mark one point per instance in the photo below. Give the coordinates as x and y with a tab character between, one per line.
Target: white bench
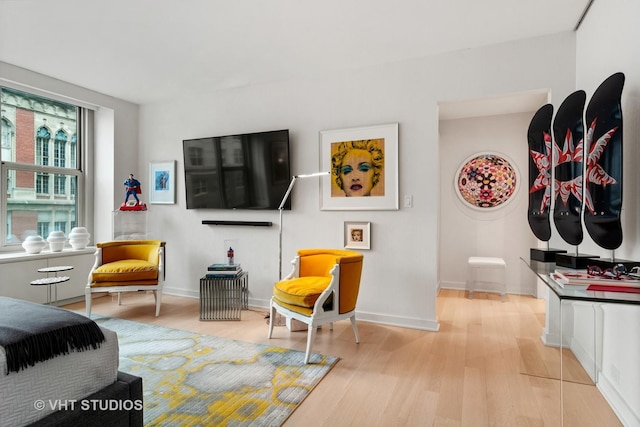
476	263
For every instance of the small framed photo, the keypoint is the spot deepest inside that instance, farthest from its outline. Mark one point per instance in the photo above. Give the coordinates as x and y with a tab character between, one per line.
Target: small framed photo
357	235
162	182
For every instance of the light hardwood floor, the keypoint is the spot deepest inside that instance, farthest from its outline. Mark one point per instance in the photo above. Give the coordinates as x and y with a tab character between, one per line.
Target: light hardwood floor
485	367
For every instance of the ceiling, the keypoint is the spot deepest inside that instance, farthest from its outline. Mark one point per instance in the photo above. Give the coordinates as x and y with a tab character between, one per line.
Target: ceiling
147	51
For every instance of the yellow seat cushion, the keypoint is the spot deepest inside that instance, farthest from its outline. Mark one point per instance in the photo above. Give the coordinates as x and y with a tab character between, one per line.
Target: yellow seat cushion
305	311
301	292
132	283
126	270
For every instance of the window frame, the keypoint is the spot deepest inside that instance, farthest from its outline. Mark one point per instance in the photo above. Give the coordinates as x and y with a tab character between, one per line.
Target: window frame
53	171
79	142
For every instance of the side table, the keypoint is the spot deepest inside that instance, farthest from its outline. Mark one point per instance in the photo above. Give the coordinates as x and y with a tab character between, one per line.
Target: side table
48	281
222	298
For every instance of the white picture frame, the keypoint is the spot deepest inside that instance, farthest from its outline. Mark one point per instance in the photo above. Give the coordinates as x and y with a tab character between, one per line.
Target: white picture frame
162	182
357	235
381	142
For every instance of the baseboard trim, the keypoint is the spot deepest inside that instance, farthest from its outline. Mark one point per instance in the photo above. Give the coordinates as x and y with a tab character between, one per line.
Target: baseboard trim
620	407
181	292
382	319
399	321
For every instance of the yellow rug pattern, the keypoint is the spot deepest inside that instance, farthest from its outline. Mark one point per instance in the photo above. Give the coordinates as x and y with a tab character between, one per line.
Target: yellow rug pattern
191	379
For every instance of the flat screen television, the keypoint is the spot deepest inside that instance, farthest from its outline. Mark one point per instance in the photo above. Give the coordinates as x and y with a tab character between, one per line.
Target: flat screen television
244	171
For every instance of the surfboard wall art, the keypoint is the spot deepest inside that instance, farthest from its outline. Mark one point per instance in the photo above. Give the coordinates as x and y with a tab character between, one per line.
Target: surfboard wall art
540	140
603	175
568	133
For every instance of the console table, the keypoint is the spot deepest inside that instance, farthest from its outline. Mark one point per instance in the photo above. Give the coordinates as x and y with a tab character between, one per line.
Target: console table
567	295
544	269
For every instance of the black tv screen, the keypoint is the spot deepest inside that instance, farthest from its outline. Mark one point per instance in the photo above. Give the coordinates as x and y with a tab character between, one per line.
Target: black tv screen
245	171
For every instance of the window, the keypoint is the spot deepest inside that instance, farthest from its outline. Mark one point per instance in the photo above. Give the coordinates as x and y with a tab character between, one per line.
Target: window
60	185
59	152
43	228
195	156
7	135
43	137
60	226
41	171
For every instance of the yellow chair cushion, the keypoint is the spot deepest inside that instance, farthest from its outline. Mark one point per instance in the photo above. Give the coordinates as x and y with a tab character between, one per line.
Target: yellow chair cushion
301	292
126	270
305	311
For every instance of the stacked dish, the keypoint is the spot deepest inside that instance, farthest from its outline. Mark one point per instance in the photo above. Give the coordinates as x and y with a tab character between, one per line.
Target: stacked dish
56	241
34	244
79	238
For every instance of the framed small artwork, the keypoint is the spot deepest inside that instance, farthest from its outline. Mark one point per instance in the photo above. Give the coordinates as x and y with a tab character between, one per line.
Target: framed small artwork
363	165
162	182
357	235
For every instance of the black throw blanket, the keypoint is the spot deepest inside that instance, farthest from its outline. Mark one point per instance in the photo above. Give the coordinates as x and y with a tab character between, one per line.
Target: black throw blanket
32	333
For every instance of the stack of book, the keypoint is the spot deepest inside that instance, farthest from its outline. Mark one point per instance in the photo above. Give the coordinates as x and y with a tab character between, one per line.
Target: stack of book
581	279
224	271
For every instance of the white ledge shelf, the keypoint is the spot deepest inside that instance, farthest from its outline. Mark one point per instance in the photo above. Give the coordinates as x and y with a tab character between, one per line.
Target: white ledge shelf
10	257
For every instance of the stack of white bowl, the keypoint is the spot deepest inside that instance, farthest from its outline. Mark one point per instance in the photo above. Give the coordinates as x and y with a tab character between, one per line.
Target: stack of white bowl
79	238
56	241
34	244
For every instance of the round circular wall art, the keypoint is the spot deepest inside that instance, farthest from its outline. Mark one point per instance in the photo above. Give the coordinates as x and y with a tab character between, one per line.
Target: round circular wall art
486	181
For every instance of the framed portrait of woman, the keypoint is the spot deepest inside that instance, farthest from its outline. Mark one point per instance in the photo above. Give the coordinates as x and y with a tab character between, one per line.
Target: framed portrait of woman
357	235
363	167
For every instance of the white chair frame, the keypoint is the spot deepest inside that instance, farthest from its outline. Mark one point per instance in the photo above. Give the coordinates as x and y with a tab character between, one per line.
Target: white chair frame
157	289
318	316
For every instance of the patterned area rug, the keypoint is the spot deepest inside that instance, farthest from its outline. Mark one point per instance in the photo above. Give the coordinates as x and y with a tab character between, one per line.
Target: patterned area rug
190	379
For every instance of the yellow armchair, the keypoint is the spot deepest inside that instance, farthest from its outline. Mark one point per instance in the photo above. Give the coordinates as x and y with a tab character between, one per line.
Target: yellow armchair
127	266
322	288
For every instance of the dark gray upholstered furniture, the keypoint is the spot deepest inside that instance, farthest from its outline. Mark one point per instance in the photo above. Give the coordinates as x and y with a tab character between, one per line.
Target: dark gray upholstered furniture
126	388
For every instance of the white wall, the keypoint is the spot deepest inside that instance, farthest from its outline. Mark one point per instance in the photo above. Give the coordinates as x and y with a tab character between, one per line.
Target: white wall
400	272
607	42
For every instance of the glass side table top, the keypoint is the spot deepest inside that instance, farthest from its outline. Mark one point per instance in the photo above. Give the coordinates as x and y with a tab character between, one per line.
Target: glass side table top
50	280
55	269
544	269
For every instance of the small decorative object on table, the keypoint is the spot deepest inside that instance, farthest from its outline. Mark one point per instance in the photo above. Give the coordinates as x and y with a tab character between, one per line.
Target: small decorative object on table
133	188
79	238
34	244
616	277
230	255
56	241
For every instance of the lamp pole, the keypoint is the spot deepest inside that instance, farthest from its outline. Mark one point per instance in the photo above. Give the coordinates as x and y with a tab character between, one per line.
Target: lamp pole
281	208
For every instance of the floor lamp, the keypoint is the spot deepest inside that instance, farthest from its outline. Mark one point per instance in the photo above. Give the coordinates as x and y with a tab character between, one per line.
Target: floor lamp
281	208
